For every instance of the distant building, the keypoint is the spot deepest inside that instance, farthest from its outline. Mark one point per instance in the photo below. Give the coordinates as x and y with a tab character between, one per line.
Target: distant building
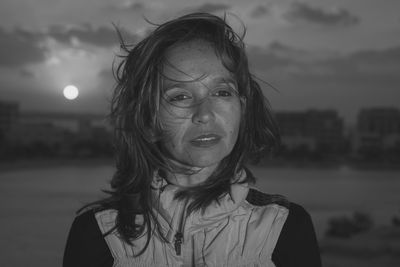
9	113
379	121
312	129
70	121
46	134
377	129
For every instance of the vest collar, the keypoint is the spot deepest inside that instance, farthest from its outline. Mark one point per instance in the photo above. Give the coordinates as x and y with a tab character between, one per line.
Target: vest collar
171	209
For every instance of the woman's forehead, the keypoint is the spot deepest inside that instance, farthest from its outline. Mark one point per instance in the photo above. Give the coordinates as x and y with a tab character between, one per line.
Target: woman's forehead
193	61
199	45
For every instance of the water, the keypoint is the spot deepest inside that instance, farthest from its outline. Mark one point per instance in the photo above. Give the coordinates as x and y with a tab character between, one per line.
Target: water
38	205
331	192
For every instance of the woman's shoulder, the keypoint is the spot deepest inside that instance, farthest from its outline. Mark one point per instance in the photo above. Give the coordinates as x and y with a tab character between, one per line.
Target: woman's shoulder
258	198
85	244
95	219
296	211
297	244
84	220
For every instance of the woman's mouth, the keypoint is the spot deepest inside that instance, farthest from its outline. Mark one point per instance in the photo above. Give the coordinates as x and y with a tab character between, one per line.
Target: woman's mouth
206	140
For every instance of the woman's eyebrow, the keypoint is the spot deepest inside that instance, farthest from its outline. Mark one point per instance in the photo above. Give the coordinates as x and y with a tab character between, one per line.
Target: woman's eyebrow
182	85
225	80
222	80
185	84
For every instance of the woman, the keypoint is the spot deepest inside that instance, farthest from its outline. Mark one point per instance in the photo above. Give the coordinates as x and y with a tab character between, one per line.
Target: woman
188	115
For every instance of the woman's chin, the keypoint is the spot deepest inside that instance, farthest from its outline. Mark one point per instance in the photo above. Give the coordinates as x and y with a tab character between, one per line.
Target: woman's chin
204	161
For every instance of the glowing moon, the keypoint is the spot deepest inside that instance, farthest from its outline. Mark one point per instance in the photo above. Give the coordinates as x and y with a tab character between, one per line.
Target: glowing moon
70	92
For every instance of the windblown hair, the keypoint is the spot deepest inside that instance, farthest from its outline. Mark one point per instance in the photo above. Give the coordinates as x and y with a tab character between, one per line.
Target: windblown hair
138	131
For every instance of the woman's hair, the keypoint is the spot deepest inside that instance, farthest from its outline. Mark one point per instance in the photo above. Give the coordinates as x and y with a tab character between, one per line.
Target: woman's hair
138	132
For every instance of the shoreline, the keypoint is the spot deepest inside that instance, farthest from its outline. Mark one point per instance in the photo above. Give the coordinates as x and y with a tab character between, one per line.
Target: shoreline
25	164
329	164
11	165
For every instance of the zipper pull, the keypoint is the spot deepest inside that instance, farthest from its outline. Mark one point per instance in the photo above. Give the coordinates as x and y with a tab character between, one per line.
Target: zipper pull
178	243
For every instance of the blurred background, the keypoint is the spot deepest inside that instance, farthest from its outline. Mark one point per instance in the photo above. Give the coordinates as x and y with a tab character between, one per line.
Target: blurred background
331	70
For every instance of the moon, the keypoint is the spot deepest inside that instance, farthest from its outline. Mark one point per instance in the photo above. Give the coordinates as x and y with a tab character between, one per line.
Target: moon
70	92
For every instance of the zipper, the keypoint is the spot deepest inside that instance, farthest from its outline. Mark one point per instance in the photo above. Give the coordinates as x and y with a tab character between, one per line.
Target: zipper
178	243
178	238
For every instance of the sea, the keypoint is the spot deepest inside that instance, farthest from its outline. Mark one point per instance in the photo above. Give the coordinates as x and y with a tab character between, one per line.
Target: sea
38	205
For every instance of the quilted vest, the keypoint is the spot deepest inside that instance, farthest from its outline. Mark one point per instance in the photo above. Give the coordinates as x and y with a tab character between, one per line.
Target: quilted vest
232	232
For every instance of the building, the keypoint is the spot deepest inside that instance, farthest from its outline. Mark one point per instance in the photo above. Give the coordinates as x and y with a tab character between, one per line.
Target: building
58	134
9	113
378	129
313	130
70	121
25	134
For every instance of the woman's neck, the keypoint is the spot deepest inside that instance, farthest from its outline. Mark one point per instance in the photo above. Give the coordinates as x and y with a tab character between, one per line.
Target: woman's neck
196	176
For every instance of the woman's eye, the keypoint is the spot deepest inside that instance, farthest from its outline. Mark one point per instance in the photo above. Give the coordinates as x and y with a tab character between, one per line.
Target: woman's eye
223	93
176	98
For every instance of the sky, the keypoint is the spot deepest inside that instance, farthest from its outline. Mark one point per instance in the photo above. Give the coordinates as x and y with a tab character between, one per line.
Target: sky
308	54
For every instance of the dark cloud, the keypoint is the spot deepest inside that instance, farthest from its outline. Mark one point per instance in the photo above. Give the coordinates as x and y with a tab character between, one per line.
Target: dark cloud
127	6
102	36
210	8
26	73
280	47
366	65
303	12
259	11
277	56
262	59
18	48
389	56
135	6
375	66
344	82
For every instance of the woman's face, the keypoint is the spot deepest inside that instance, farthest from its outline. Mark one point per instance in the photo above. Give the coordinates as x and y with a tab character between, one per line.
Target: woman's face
200	109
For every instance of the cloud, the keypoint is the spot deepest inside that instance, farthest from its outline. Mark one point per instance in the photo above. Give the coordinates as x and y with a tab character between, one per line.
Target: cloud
210	8
127	6
265	59
283	49
259	11
102	36
389	56
299	11
18	48
281	61
345	82
281	57
26	73
366	64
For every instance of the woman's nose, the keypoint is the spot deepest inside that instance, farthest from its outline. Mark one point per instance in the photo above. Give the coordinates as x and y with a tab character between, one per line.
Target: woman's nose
203	112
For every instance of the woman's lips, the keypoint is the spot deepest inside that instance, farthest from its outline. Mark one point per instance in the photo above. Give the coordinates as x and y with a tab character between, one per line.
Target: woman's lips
206	140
